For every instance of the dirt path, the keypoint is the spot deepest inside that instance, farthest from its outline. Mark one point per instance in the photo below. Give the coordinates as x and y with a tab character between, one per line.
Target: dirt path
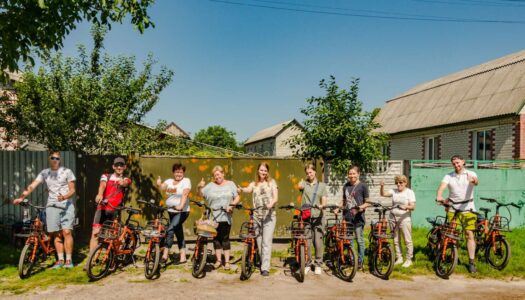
179	284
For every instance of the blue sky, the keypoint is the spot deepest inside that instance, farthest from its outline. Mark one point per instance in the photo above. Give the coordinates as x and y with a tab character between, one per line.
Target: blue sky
247	67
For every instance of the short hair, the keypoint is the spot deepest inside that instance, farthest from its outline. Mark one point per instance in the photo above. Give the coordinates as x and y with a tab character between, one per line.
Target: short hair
400	178
51	152
457	156
310	166
354	167
217	168
178	166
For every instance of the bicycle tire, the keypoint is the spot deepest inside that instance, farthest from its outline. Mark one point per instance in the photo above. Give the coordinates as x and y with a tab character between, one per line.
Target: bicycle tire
199	258
372	248
247	263
346	264
25	262
151	262
383	262
432	243
99	257
130	243
302	264
446	264
499	257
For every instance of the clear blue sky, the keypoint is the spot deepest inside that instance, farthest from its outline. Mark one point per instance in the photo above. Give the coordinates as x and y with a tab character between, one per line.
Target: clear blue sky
249	67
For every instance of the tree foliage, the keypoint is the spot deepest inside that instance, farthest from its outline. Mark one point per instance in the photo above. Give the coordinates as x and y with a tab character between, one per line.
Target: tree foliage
28	26
217	136
89	104
337	129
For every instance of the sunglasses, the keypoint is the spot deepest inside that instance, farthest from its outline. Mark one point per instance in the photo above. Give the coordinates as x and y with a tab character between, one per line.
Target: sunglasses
54	158
119	165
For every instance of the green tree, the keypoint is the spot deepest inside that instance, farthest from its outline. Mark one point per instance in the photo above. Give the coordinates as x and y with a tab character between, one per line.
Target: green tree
217	136
89	104
28	26
337	129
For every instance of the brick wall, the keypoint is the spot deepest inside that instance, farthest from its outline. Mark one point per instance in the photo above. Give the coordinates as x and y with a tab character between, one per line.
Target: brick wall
406	148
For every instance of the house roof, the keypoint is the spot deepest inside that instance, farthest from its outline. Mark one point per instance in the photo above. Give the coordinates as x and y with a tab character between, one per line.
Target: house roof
271	132
173	125
492	89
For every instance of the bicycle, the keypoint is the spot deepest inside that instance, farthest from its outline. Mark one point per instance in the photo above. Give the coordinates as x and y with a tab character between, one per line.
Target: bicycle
38	244
155	233
380	254
248	233
301	232
446	253
434	235
117	245
338	246
489	234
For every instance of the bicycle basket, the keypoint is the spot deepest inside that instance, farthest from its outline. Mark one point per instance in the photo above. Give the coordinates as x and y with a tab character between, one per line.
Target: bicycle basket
36	227
298	232
154	229
205	228
345	230
451	231
248	231
381	232
109	230
501	225
331	222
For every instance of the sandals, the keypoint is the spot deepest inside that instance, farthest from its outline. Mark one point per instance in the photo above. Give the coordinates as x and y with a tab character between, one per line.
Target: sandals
227	266
217	265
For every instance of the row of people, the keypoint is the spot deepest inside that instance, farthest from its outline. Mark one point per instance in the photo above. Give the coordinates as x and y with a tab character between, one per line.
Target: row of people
220	193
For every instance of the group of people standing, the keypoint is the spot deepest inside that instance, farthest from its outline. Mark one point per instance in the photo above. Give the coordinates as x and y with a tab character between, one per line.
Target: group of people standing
222	194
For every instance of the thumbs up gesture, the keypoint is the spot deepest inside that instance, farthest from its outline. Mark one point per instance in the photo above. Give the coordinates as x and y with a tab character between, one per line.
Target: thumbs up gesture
202	183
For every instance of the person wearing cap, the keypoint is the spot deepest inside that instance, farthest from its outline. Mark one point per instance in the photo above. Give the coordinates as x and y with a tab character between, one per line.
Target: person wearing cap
60	209
110	189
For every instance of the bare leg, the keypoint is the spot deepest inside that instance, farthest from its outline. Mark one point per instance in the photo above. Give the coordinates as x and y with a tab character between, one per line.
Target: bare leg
94	239
59	244
471	244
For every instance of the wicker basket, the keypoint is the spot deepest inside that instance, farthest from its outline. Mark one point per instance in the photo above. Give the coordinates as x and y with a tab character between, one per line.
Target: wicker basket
110	230
205	228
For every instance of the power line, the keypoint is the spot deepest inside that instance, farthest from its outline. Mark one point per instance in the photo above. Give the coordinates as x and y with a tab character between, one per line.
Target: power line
398	17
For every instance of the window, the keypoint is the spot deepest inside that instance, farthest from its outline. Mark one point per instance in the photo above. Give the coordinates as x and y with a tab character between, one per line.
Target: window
481	144
431	148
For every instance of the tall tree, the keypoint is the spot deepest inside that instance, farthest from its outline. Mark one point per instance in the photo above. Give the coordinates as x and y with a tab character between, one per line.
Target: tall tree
89	104
28	26
217	136
337	129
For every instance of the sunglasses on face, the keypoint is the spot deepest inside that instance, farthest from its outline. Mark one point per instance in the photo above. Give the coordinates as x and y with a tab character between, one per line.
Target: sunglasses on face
54	158
119	165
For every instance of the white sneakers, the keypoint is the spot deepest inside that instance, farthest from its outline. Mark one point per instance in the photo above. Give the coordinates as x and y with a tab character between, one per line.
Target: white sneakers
407	263
399	261
318	270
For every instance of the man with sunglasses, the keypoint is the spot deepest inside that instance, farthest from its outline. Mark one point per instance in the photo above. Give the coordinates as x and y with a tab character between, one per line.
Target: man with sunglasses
110	189
60	210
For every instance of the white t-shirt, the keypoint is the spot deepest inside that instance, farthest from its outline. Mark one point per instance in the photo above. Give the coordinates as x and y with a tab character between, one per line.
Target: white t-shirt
460	189
57	183
174	192
402	198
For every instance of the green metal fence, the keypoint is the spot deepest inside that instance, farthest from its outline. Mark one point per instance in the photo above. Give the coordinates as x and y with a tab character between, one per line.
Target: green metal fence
503	180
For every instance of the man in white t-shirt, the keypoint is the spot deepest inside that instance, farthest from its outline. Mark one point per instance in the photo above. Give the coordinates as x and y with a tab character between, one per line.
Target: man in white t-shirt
60	211
460	184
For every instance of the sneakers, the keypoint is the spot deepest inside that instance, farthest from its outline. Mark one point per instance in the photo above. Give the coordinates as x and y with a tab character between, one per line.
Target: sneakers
399	261
360	266
307	269
318	270
265	273
407	263
69	265
471	268
59	264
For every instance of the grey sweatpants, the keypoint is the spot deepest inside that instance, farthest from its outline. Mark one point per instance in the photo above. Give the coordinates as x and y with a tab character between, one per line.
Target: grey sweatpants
265	228
317	239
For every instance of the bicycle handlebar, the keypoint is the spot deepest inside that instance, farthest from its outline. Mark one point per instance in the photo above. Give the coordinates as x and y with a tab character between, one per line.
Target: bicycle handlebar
26	202
501	204
129	209
162	208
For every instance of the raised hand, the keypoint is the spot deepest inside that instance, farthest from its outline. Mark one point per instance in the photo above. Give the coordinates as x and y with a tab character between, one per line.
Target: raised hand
202	183
159	181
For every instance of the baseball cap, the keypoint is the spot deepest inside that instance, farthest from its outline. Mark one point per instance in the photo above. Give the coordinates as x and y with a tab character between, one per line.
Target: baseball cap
119	160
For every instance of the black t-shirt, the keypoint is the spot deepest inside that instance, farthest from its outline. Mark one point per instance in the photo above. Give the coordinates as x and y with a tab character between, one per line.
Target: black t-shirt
353	196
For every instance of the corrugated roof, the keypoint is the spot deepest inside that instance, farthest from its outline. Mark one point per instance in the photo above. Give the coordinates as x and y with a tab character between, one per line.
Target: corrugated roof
270	132
488	90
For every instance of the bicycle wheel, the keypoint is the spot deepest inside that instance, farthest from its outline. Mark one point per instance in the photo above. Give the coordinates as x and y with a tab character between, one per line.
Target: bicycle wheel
498	253
248	262
346	262
99	262
446	261
130	243
151	261
302	263
27	260
432	242
383	262
372	248
199	258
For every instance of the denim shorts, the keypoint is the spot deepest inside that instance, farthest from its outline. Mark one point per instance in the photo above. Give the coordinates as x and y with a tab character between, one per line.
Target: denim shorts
58	218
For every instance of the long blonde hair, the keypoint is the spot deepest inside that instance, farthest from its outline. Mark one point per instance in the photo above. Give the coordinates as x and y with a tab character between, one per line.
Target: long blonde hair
257	176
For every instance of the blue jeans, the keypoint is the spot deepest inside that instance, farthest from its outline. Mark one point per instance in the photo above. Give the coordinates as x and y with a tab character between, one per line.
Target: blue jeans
175	228
360	242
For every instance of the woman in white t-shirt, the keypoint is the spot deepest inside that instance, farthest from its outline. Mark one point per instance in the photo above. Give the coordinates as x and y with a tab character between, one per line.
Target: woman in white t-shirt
405	199
177	190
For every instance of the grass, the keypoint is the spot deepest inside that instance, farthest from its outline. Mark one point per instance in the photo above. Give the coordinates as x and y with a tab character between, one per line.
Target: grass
10	283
